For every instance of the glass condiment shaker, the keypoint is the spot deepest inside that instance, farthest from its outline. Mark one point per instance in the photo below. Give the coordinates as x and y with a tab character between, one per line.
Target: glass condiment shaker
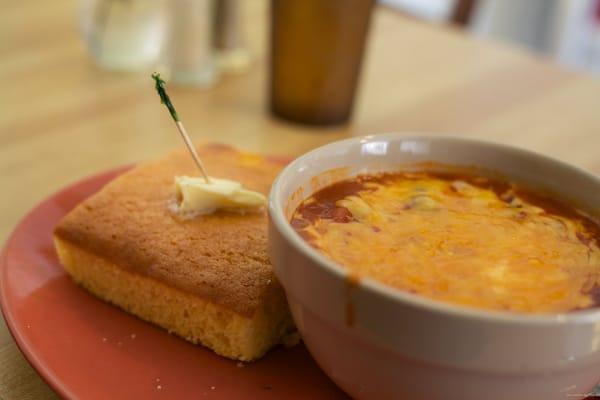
124	34
189	54
231	52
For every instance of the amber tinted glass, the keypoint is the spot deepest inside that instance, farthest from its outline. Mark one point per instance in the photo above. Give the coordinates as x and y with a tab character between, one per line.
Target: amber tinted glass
316	53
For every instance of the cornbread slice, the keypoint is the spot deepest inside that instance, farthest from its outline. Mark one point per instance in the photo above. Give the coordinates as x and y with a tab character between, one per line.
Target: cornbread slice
208	280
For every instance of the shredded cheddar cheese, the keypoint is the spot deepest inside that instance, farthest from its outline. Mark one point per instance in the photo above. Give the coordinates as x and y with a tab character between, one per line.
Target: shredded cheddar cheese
463	240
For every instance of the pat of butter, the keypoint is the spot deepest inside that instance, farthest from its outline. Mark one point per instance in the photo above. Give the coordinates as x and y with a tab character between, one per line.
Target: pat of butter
198	197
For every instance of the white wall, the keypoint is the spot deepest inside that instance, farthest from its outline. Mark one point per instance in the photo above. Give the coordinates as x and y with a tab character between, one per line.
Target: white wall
563	29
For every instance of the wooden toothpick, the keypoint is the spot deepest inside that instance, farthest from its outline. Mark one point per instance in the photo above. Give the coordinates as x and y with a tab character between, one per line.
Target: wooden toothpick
164	99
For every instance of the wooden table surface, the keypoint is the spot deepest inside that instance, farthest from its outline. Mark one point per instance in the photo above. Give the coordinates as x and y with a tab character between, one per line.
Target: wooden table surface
62	118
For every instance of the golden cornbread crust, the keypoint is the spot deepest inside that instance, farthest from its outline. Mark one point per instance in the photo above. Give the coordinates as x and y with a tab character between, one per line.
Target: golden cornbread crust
216	263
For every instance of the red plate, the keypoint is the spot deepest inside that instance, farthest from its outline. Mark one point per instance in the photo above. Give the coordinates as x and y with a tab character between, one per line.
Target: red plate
87	349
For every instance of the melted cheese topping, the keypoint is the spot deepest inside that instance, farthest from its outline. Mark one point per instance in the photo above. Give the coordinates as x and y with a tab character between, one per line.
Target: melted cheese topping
458	242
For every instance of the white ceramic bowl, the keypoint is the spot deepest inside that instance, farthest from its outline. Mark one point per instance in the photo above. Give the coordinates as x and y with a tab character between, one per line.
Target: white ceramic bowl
376	342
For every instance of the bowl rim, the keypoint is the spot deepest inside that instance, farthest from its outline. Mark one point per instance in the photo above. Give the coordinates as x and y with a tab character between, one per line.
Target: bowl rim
277	215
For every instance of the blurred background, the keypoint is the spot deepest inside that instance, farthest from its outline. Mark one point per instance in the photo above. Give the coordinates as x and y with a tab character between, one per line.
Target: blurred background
133	34
565	30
